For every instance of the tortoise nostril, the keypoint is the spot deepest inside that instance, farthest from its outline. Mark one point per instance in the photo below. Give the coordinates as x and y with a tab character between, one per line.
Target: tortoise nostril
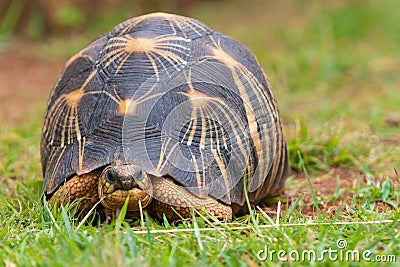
127	182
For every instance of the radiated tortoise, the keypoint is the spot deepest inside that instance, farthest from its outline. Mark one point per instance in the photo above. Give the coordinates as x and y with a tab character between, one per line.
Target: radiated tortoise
169	112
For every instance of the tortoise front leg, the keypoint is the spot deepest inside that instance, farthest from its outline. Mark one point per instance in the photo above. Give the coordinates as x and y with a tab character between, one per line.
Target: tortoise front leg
80	187
170	199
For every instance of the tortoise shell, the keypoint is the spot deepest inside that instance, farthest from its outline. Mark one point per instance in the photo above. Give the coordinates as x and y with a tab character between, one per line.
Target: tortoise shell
177	98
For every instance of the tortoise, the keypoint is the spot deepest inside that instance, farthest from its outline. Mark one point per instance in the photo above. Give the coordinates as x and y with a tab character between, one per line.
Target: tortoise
167	114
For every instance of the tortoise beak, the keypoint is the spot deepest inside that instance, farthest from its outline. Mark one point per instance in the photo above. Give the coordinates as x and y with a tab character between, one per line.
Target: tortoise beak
124	177
119	181
126	182
127	177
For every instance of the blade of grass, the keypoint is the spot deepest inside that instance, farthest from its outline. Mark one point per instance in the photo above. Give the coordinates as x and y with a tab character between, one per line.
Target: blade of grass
277	225
148	234
141	214
122	214
83	221
293	206
314	197
198	238
66	222
197	232
253	220
50	214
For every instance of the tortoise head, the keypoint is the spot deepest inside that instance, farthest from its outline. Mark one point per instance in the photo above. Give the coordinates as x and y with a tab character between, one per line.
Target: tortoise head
119	181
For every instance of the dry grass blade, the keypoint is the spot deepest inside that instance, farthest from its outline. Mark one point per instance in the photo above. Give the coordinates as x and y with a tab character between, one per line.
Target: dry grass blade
240	228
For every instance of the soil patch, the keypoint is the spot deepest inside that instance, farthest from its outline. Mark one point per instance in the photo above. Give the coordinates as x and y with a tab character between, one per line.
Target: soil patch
334	191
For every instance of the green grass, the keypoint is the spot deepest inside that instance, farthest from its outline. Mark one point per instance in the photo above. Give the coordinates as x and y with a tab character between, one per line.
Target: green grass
334	69
34	234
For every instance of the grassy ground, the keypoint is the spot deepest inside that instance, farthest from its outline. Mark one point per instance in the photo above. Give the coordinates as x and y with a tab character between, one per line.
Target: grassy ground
334	69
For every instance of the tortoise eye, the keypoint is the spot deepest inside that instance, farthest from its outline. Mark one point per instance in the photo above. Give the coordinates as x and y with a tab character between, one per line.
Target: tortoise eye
111	176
